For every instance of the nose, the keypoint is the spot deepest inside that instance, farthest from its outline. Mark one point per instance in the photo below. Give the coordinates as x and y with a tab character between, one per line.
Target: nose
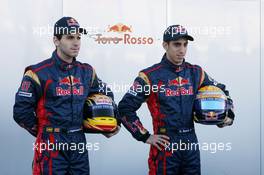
76	42
182	49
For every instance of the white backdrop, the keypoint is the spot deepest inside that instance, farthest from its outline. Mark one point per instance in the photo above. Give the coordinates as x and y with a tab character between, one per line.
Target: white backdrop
227	46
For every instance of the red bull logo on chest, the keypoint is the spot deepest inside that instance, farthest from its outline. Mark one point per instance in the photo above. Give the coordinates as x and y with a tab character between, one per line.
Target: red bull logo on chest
71	83
179	81
181	89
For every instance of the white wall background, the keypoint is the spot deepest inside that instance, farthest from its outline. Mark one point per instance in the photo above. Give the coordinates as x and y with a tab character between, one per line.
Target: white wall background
20	46
231	56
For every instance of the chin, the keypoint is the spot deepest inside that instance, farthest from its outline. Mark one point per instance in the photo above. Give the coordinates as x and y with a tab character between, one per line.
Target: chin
74	54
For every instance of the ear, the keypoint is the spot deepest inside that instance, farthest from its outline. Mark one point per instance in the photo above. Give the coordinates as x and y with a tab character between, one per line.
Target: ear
165	45
56	41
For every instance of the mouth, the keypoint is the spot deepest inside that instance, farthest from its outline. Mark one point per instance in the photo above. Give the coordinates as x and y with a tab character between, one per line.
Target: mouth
75	49
181	55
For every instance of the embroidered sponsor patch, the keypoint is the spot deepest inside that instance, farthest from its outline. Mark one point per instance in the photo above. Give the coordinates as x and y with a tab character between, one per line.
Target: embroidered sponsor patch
134	88
70	85
24	94
178	81
132	92
179	91
140	127
64	92
72	22
25	85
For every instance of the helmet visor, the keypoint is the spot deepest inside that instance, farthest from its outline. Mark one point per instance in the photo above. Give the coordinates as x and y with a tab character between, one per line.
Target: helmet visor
103	110
213	104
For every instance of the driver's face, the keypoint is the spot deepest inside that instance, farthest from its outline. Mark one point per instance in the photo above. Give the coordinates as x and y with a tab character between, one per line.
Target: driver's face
176	50
69	45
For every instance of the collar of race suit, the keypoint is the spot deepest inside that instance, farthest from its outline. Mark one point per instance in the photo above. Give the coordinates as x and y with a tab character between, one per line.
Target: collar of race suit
167	63
63	65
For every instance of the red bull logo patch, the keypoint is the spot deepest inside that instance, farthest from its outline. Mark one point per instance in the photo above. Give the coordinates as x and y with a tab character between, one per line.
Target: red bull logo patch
179	82
179	91
70	82
72	22
63	92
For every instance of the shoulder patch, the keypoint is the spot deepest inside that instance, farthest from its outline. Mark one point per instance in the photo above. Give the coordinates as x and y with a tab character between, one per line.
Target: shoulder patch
24	94
143	76
33	76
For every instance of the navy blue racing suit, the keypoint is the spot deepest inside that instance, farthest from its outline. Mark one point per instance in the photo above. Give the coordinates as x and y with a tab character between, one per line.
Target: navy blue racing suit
169	91
49	104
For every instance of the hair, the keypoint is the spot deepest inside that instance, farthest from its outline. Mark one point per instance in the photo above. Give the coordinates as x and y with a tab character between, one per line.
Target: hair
58	36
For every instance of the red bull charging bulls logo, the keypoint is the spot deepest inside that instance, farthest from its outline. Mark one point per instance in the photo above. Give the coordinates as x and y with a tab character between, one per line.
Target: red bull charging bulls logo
179	81
119	28
68	86
181	89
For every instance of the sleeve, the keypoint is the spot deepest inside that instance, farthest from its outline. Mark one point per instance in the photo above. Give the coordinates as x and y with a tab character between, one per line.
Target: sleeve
99	87
130	103
26	102
206	80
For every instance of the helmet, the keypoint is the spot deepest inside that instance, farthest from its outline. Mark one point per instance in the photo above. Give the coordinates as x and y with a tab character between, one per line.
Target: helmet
210	106
99	116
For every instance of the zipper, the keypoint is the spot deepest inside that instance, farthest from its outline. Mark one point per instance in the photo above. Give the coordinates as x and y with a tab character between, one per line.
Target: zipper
69	74
180	94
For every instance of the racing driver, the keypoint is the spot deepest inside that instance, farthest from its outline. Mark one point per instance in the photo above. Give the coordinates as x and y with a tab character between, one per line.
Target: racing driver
169	89
49	103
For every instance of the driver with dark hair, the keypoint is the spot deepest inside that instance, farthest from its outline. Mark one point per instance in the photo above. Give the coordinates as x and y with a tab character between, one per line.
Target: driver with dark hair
174	83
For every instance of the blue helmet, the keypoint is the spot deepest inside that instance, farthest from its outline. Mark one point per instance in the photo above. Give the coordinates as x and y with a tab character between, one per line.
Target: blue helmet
210	106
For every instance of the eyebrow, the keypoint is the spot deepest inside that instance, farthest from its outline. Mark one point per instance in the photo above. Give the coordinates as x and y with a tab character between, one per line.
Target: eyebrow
72	36
180	42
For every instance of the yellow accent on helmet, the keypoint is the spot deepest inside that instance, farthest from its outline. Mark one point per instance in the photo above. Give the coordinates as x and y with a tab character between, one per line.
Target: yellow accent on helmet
211	92
103	124
99	116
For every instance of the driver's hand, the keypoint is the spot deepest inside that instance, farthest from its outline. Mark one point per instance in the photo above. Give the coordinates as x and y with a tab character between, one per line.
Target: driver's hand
227	122
158	141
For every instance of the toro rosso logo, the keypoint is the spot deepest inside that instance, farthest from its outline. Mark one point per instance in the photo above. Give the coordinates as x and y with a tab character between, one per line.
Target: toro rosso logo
181	89
71	83
122	34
